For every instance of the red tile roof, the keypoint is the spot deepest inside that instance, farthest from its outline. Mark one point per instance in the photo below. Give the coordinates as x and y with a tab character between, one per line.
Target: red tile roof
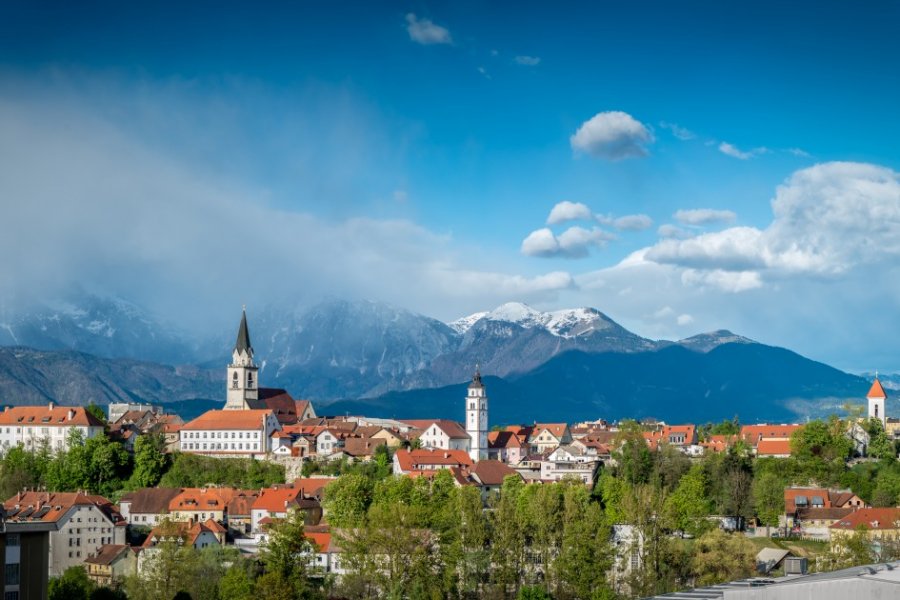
453	429
154	501
790	494
312	486
491	472
870	518
276	500
202	499
505	439
557	429
768	447
752	434
49	507
876	391
424	459
321	541
229	419
49	416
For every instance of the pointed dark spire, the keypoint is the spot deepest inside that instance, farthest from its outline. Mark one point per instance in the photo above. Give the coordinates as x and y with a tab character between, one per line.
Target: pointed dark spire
476	379
243	336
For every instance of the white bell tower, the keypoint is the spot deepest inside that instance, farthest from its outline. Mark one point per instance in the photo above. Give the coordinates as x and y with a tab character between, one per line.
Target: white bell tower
477	418
242	384
877	399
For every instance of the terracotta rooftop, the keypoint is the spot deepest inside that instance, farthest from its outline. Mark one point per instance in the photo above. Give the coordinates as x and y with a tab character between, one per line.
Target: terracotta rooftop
276	500
491	472
49	416
557	429
454	430
362	446
876	391
150	500
228	419
870	518
424	459
49	507
775	447
752	434
505	439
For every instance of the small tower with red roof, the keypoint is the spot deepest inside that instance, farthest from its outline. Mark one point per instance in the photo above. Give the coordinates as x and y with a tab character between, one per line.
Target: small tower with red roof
877	399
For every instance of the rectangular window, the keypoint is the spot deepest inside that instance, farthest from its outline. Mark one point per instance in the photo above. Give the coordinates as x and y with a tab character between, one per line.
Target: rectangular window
12	539
12	574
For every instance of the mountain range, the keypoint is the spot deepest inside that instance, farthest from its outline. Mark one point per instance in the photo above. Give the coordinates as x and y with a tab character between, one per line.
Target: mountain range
363	356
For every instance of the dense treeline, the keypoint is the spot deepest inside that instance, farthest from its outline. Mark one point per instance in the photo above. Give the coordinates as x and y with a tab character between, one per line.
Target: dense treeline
103	466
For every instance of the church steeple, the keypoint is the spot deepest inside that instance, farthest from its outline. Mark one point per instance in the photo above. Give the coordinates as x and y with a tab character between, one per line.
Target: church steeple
243	337
242	385
477	418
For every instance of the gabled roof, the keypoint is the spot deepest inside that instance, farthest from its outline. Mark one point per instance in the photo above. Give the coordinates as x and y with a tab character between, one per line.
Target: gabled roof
276	500
153	501
752	434
453	429
870	518
362	446
558	430
491	472
108	554
876	391
312	486
186	531
50	507
279	402
202	499
767	447
228	419
423	459
505	439
49	416
320	540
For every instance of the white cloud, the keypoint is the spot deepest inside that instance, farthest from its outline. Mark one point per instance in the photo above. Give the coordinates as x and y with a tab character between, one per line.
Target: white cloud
734	151
673	231
704	216
828	219
568	211
528	61
484	72
679	132
574	242
684	319
612	135
799	152
425	32
633	223
727	281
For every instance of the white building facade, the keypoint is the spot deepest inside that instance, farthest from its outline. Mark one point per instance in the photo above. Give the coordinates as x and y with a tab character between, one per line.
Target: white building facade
32	426
243	381
237	433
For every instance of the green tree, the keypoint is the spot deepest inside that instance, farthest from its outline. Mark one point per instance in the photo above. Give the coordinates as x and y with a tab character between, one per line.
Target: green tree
150	461
236	584
720	557
287	550
585	554
98	412
533	592
768	498
347	499
507	537
73	584
689	505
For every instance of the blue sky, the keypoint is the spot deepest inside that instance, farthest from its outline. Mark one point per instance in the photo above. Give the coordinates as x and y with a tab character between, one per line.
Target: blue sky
413	151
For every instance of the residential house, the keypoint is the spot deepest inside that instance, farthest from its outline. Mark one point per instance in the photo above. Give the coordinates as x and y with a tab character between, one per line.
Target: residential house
240	433
569	461
33	426
111	564
238	512
197	505
773	448
81	524
304	410
507	446
329	441
809	512
547	436
276	503
147	506
442	434
879	524
489	475
196	535
429	459
359	448
753	434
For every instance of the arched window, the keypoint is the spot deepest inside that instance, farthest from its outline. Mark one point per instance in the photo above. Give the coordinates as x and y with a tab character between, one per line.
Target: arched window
234	380
250	379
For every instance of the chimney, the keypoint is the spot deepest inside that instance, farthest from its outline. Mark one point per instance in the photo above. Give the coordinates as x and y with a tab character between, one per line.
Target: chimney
51	405
71	414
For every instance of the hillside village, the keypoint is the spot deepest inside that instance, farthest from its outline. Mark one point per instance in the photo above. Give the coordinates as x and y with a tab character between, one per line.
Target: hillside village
124	536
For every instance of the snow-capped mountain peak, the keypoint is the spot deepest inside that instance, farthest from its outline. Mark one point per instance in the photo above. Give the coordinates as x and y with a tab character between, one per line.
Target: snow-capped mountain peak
563	323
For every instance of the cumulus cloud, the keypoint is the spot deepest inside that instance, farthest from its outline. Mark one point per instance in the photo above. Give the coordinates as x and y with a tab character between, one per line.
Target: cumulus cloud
668	230
828	219
633	223
528	61
574	242
684	319
612	135
682	133
568	211
425	32
704	216
734	151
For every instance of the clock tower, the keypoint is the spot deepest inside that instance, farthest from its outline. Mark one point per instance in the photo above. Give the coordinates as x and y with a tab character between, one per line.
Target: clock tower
477	418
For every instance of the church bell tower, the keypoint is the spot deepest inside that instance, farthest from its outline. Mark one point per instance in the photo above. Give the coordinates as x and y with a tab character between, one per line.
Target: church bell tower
477	418
242	384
